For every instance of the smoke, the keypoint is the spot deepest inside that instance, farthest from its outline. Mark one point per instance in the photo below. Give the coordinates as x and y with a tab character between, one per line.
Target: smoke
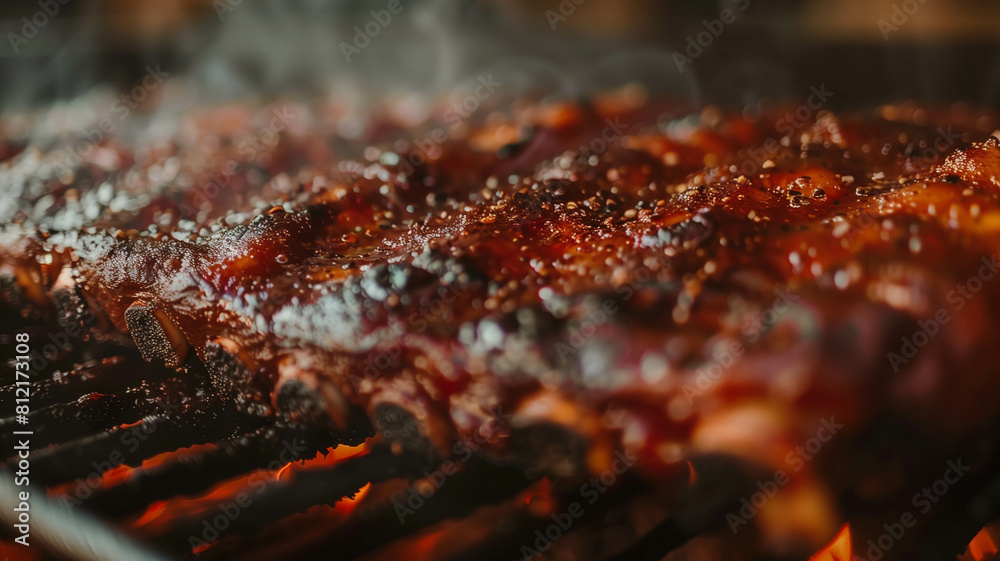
364	52
428	46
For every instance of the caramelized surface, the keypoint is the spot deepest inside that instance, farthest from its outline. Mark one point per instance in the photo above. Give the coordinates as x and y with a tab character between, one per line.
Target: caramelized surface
713	288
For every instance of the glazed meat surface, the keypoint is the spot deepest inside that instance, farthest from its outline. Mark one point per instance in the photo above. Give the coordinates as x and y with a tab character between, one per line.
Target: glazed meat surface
715	286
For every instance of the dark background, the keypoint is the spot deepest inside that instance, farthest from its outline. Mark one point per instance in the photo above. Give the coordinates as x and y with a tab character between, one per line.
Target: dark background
948	50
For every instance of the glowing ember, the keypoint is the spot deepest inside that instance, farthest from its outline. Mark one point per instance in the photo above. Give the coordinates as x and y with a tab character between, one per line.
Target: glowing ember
427	544
539	499
347	505
277	476
337	455
116	475
329	458
837	550
692	474
154	510
983	546
119	474
154	520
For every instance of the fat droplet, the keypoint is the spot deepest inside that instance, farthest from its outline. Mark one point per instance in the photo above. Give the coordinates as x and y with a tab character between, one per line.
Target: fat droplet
841	279
281	258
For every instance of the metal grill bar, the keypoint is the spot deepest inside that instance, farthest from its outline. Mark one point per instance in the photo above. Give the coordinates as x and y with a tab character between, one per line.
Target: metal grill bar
115	375
199	472
307	489
462	493
504	546
93	412
191	424
664	538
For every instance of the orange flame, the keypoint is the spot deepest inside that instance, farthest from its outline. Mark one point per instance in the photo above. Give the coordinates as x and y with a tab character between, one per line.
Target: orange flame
152	512
539	499
982	547
119	474
325	459
115	476
179	507
347	505
692	474
837	550
277	476
425	545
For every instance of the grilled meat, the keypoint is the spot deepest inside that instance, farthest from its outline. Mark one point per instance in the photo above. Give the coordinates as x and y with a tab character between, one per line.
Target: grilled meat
716	287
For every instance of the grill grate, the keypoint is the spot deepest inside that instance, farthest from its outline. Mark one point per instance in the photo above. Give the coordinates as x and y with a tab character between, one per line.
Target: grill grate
116	437
118	440
97	410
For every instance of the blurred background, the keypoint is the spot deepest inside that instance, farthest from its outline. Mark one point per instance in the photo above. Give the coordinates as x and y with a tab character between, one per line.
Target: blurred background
87	65
865	51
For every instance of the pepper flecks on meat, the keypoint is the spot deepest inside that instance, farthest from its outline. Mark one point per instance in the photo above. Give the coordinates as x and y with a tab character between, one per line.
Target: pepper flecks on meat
662	294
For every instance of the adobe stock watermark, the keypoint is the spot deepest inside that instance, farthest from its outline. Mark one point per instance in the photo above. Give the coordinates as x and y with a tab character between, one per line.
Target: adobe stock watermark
789	123
582	329
611	134
754	159
563	12
590	492
60	341
699	42
768	488
943	142
130	440
249	146
418	321
228	512
364	34
928	328
30	26
899	16
68	158
751	330
923	502
456	113
408	502
225	7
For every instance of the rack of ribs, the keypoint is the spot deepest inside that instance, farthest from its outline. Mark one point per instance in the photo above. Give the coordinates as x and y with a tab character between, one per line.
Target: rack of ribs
564	288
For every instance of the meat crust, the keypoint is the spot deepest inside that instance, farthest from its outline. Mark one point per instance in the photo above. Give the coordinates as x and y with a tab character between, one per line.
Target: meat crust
715	287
